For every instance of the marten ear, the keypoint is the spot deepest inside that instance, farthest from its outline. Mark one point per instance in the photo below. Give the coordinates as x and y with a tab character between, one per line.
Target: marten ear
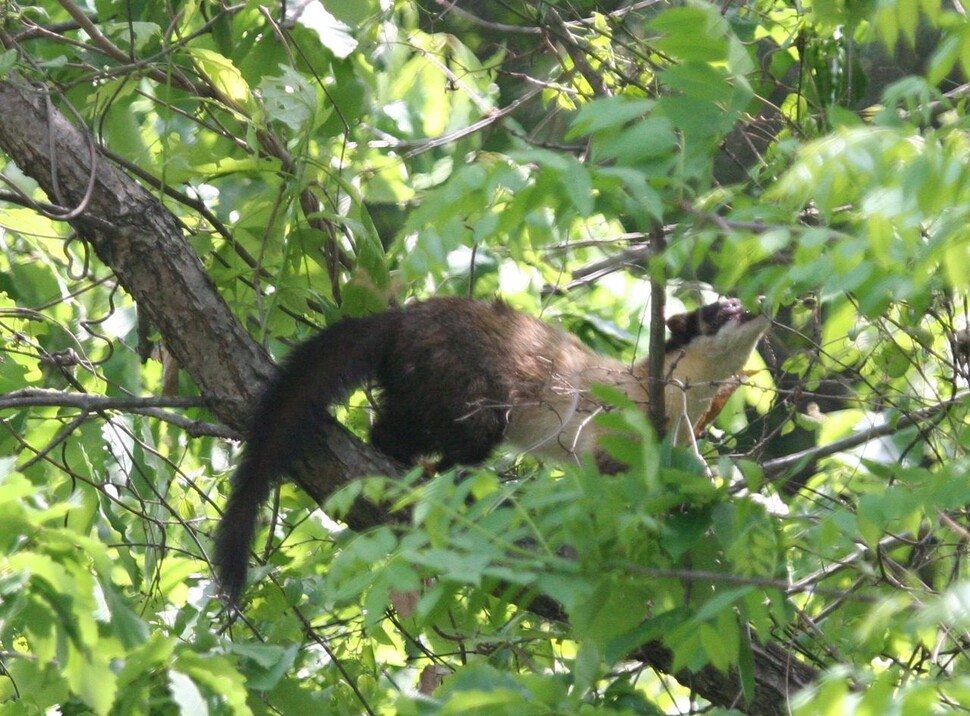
678	329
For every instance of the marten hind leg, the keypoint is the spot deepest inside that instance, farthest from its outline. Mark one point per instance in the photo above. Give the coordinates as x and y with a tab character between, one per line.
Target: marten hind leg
400	438
472	439
465	441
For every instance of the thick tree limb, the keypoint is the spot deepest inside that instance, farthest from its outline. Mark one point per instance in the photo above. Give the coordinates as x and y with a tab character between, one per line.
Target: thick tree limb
143	243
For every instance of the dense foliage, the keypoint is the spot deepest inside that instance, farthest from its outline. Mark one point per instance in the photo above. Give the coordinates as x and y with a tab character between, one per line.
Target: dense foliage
332	158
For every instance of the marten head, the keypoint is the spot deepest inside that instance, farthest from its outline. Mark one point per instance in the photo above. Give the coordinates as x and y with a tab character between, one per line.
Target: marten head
725	319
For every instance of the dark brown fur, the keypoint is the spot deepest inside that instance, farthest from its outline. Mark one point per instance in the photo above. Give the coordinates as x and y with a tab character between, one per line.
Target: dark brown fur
457	377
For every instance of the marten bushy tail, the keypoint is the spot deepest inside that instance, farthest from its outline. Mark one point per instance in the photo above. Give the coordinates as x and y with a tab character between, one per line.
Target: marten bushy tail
291	411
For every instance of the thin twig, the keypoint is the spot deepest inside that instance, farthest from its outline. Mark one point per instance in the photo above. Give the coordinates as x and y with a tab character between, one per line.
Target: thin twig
151	407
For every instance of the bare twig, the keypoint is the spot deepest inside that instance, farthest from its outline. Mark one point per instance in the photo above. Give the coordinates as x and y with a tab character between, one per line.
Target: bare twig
148	406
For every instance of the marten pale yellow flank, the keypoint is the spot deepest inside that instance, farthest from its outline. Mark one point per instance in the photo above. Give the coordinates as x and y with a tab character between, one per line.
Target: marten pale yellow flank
456	378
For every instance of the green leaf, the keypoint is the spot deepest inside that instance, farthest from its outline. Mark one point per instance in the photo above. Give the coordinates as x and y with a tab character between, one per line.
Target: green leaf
126	625
608	114
586	666
216	674
225	76
649	139
699	80
691	33
8	60
683	531
606	615
91	677
274	662
352	13
334	34
289	98
186	694
722	603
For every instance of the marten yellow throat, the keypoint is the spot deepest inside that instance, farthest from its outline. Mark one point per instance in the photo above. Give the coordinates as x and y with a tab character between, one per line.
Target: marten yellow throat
458	377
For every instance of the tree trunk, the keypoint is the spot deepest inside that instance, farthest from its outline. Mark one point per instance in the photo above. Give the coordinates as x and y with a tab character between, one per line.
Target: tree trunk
144	245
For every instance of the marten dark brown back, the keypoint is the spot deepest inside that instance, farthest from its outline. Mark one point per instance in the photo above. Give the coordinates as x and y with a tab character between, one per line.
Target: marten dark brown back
457	377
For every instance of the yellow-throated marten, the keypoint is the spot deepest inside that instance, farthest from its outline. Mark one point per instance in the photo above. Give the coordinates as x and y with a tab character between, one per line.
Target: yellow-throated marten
457	377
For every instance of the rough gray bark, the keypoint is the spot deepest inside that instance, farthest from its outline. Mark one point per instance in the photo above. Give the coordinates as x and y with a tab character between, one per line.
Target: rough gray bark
143	243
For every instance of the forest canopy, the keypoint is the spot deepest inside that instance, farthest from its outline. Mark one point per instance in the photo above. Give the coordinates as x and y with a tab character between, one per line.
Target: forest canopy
190	189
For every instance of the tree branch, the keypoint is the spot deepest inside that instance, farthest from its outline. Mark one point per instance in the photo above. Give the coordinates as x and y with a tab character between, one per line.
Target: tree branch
148	406
658	296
